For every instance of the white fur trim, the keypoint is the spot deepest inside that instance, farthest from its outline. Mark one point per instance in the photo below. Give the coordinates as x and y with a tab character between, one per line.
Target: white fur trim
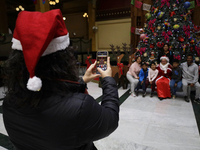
34	84
55	45
159	79
16	44
164	57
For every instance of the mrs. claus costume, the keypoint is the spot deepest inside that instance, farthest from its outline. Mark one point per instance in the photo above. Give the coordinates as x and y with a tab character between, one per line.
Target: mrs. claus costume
163	79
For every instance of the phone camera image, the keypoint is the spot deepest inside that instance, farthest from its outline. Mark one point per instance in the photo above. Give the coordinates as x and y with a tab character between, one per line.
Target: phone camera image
102	60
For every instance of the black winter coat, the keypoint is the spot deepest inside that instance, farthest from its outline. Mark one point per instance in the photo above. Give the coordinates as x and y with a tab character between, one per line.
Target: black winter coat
71	122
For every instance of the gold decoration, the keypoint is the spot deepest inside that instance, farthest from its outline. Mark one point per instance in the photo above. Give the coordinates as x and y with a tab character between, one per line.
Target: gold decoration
145	54
175	19
159	27
197	59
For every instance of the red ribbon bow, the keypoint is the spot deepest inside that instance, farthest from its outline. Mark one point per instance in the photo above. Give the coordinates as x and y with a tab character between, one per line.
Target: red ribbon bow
166	35
142	50
172	13
151	22
186	29
120	65
163	2
177	57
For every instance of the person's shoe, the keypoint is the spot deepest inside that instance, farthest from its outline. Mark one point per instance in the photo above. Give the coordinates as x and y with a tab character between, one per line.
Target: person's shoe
136	93
144	94
133	94
197	101
151	95
174	96
160	98
186	99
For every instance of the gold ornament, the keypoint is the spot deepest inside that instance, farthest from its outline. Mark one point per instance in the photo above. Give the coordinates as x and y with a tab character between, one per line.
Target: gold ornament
175	19
145	54
197	59
159	27
145	25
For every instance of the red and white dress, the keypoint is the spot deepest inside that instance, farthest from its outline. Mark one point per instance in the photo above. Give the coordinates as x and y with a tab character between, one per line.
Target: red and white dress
163	81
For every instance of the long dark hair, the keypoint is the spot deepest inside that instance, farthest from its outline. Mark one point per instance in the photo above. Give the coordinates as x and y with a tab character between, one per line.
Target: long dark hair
51	69
164	46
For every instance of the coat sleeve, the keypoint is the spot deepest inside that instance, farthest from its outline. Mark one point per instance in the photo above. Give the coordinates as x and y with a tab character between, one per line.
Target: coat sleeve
98	121
196	74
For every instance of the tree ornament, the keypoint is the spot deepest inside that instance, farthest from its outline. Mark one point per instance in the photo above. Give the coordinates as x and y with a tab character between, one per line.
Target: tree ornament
175	19
159	27
156	10
186	5
160	44
142	36
176	27
152	56
148	16
197	59
175	7
181	39
145	54
160	14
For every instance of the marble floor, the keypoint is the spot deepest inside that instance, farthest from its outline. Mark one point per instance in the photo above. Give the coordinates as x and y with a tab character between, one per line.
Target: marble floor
148	124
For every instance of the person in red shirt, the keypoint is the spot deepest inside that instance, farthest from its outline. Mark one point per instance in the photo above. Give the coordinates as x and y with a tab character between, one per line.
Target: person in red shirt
163	78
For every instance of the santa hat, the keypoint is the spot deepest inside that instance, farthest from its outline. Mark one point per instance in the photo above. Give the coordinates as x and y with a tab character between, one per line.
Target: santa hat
164	57
38	34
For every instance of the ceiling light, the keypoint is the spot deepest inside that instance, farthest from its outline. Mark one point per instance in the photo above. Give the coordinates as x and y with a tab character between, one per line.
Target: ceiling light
17	9
64	18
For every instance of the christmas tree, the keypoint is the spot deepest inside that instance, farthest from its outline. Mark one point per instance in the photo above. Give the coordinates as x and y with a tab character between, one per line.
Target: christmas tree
168	21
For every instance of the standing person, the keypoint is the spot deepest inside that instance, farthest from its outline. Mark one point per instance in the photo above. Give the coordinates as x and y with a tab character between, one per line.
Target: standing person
142	79
52	111
166	52
152	74
176	78
163	78
190	78
132	74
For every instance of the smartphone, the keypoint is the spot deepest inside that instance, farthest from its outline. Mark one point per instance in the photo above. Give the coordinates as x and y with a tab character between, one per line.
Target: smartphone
102	60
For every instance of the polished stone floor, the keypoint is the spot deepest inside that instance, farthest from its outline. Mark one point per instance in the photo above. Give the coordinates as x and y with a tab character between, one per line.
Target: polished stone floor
147	124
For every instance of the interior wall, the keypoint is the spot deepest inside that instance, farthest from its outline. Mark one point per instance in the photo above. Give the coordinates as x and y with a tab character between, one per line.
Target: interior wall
113	4
113	32
76	23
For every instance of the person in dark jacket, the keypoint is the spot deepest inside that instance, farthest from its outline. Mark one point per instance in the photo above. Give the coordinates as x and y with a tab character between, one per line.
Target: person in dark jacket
176	78
166	52
57	113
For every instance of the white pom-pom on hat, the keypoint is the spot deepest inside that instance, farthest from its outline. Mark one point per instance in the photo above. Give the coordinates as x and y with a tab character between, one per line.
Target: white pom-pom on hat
34	84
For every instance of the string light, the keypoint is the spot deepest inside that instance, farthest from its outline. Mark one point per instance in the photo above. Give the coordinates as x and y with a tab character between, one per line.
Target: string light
20	8
53	2
64	18
85	15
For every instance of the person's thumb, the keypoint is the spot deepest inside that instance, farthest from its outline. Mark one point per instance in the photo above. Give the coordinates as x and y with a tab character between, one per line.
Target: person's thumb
100	70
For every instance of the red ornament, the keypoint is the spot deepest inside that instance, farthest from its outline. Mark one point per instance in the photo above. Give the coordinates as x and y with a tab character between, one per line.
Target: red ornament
172	13
181	39
152	46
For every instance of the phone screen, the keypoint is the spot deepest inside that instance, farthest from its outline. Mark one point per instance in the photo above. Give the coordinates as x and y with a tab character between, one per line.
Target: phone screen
102	60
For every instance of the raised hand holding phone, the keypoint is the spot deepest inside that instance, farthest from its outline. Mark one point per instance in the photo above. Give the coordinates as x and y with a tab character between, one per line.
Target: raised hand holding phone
90	73
108	71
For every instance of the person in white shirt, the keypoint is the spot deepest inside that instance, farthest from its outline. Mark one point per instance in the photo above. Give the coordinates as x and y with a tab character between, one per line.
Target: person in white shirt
152	74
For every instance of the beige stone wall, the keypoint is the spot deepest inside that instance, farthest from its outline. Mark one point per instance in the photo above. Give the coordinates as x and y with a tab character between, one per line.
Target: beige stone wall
113	32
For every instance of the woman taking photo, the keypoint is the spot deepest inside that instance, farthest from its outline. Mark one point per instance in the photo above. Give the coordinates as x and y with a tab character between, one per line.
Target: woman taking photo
132	74
166	52
163	78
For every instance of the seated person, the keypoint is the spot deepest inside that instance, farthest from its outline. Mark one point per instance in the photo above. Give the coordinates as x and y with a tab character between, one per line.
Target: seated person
190	78
176	78
142	79
152	74
163	78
